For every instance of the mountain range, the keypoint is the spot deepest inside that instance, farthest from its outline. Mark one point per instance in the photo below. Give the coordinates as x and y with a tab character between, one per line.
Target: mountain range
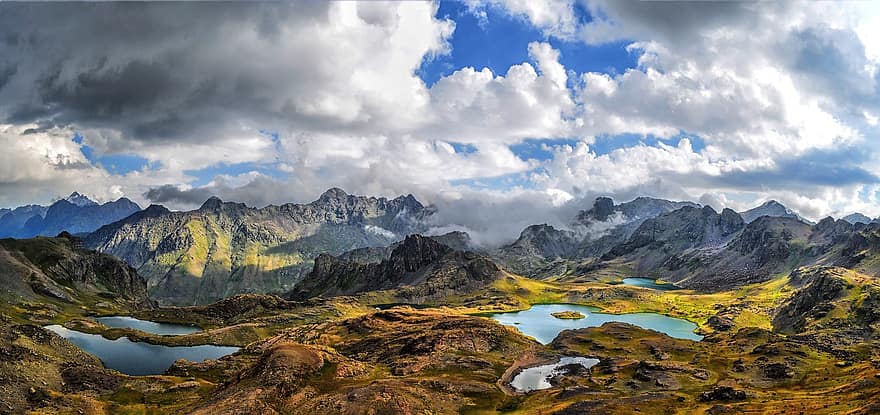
76	214
224	248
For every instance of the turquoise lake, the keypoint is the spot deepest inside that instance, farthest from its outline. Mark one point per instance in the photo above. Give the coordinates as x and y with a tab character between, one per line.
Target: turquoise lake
164	329
138	358
538	323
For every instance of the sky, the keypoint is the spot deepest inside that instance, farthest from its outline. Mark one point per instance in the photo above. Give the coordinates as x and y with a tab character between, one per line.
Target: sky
478	107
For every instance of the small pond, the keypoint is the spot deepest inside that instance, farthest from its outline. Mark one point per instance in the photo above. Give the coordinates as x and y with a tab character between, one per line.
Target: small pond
649	283
164	329
538	377
538	323
138	358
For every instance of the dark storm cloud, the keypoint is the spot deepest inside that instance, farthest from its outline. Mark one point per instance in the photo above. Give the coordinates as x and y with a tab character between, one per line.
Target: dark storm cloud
148	70
259	192
817	168
172	194
676	22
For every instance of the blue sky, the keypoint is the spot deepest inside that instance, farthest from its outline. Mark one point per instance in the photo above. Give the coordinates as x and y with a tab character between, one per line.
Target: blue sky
501	40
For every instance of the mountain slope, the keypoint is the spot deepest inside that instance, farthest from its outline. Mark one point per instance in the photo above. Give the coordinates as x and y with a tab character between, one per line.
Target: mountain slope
660	242
59	270
223	249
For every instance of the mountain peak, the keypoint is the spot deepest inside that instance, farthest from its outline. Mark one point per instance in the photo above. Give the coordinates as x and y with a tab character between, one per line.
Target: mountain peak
80	200
770	208
857	217
333	193
213	203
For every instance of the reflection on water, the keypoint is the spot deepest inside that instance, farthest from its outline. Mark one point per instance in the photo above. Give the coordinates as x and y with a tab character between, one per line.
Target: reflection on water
538	377
538	323
147	326
649	283
138	358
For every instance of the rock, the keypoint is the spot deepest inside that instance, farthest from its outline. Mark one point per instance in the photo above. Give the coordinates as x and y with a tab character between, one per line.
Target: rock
723	393
720	323
777	371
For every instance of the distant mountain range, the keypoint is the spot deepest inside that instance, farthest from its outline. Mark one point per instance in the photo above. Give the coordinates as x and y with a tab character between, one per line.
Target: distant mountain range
695	247
76	214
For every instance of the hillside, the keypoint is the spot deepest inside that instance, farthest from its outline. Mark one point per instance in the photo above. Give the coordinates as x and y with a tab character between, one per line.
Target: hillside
58	270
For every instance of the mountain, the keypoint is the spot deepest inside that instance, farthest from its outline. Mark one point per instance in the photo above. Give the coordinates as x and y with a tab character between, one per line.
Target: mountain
74	218
224	248
76	214
60	270
543	250
420	269
770	208
857	218
13	221
636	209
764	248
658	242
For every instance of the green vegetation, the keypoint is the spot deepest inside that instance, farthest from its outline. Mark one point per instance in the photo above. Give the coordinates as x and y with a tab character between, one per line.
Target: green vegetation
568	315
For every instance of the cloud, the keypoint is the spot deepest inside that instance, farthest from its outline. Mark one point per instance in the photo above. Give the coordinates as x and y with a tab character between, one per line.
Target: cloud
737	101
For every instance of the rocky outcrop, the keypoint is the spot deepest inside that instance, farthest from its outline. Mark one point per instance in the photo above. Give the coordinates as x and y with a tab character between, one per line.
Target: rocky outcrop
419	269
829	298
223	248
